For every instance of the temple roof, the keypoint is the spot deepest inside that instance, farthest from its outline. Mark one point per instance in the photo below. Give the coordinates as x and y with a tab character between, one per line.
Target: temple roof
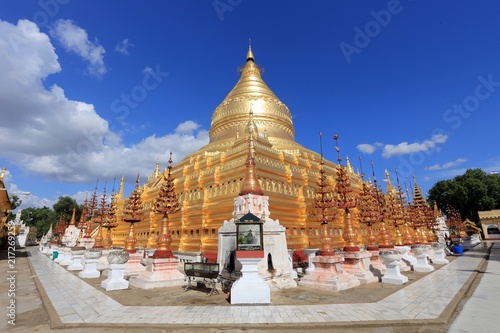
270	115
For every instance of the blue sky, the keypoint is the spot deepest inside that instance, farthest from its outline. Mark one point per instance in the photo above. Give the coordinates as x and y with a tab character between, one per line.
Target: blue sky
96	90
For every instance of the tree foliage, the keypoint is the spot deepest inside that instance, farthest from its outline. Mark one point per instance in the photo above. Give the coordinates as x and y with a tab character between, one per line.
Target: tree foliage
40	218
469	193
43	218
65	206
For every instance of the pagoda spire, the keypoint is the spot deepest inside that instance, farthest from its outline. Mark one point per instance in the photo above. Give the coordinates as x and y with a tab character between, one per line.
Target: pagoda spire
230	117
73	217
418	198
157	173
166	203
348	165
2	175
132	213
346	202
120	189
324	205
251	182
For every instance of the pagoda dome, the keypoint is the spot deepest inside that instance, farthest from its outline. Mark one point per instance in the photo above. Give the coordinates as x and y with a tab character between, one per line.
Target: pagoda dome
251	95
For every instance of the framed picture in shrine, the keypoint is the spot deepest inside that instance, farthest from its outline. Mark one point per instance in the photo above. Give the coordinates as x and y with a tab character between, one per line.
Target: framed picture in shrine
249	236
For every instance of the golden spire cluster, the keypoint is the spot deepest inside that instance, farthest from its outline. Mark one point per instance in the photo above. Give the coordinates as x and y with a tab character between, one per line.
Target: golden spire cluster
101	219
346	202
92	209
132	213
369	212
110	222
344	190
324	206
166	203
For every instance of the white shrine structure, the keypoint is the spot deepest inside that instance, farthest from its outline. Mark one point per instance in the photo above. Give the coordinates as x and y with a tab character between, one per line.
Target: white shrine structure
71	233
273	265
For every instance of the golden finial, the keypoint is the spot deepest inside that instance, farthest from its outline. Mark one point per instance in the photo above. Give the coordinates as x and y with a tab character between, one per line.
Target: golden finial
361	169
2	175
156	173
348	165
336	138
250	53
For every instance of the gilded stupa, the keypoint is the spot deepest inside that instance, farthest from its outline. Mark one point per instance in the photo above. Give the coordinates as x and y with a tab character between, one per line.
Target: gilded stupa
207	181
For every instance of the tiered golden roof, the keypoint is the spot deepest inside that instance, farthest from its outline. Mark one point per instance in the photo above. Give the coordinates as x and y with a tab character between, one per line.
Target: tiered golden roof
271	116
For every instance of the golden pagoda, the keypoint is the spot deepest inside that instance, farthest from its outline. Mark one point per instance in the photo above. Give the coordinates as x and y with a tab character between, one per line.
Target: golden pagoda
207	181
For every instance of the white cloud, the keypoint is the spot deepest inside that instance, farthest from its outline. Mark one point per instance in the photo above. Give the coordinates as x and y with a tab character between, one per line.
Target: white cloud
447	165
123	46
368	148
48	134
405	148
76	39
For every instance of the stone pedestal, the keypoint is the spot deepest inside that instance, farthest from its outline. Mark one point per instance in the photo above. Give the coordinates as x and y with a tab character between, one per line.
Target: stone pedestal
60	255
134	266
377	266
391	259
357	263
102	264
160	272
329	274
76	254
310	253
250	288
407	261
115	280
422	265
90	269
67	257
76	265
91	257
439	254
430	253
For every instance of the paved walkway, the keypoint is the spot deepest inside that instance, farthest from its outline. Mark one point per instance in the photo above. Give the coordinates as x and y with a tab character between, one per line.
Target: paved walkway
76	303
480	313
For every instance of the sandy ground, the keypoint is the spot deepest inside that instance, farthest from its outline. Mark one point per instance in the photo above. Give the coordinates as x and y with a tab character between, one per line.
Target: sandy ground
32	315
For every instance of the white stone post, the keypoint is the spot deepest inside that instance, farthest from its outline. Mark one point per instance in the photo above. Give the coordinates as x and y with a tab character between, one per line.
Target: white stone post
393	274
250	288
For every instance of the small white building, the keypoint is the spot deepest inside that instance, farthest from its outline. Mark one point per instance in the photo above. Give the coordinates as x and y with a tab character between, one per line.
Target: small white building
490	222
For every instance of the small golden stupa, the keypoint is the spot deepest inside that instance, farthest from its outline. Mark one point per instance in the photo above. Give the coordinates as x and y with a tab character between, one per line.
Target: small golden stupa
207	181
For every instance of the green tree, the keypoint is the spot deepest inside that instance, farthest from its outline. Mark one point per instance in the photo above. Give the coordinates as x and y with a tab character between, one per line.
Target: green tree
469	193
65	205
40	218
